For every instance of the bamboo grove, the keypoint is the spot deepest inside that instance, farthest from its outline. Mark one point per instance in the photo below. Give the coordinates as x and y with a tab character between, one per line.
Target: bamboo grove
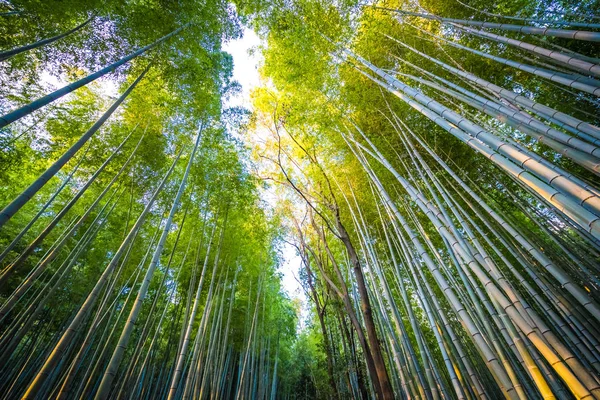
137	258
433	165
437	172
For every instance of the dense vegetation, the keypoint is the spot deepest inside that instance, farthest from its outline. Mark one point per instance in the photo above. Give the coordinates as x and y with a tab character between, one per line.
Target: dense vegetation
434	164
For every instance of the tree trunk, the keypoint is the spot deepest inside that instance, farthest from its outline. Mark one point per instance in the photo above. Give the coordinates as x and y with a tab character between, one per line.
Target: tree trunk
5	55
41	102
11	209
386	387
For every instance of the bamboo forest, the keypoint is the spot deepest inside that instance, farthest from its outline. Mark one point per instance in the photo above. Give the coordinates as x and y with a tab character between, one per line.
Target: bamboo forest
299	199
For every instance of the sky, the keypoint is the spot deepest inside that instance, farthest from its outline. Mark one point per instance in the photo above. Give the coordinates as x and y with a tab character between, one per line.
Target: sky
245	66
245	71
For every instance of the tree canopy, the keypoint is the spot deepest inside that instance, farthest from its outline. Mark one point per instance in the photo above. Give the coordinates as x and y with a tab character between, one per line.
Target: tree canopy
433	167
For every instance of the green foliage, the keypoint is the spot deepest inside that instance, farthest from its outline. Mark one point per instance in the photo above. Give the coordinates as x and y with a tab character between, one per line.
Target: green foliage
314	97
182	94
